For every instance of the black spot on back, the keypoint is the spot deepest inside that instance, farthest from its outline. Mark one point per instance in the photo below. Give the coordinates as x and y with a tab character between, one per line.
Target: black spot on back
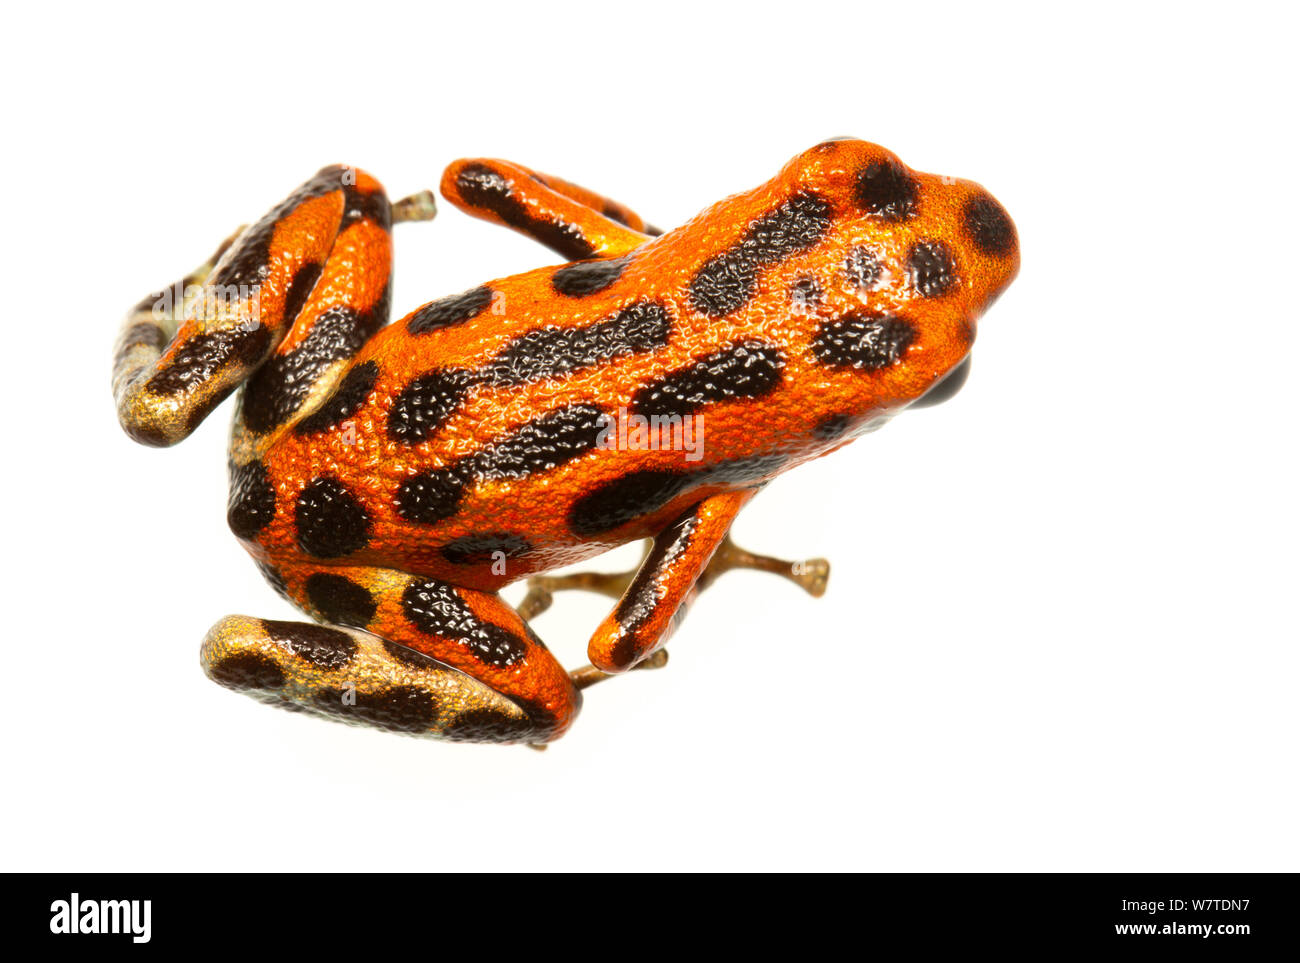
203	355
483	548
588	277
482	187
554	351
252	499
885	190
449	311
727	281
931	267
750	369
989	226
345	401
247	670
539	445
431	495
340	600
862	340
624	499
426	403
435	608
331	521
323	647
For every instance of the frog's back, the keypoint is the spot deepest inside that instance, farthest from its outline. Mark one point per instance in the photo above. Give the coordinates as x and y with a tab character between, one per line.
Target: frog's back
548	416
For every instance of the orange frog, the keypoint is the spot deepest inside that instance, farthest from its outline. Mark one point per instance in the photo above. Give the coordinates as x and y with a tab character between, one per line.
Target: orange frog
390	479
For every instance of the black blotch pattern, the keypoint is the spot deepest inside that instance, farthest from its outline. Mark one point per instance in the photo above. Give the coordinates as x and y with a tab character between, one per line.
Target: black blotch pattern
885	190
641	493
488	725
251	505
344	402
273	575
323	647
331	521
932	269
247	670
833	427
539	445
553	352
482	187
626	498
300	288
423	405
399	708
203	355
479	549
862	268
750	369
436	609
359	205
862	340
431	495
340	600
726	282
279	387
989	226
445	312
249	260
588	277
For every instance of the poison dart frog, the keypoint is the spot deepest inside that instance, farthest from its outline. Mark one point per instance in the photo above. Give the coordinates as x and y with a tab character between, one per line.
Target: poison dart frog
390	479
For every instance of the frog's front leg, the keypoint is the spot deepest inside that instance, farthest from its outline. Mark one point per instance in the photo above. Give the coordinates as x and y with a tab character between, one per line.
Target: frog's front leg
687	557
432	659
575	222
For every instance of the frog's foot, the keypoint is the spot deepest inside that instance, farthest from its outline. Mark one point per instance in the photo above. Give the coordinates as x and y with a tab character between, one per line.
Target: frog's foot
811	574
422	206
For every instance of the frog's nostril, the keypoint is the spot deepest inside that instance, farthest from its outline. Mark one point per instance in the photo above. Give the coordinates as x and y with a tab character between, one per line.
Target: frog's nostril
945	387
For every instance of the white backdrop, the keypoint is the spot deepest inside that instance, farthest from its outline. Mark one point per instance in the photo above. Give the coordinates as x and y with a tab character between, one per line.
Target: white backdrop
1060	631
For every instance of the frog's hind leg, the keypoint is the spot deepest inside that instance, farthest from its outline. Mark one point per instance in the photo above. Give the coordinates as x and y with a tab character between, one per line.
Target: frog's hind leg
184	349
573	221
398	653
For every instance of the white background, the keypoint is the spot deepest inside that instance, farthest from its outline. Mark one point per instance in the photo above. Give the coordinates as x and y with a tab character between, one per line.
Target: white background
1061	626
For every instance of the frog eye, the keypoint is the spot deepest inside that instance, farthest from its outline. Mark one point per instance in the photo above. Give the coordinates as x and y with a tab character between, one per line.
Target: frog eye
945	387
